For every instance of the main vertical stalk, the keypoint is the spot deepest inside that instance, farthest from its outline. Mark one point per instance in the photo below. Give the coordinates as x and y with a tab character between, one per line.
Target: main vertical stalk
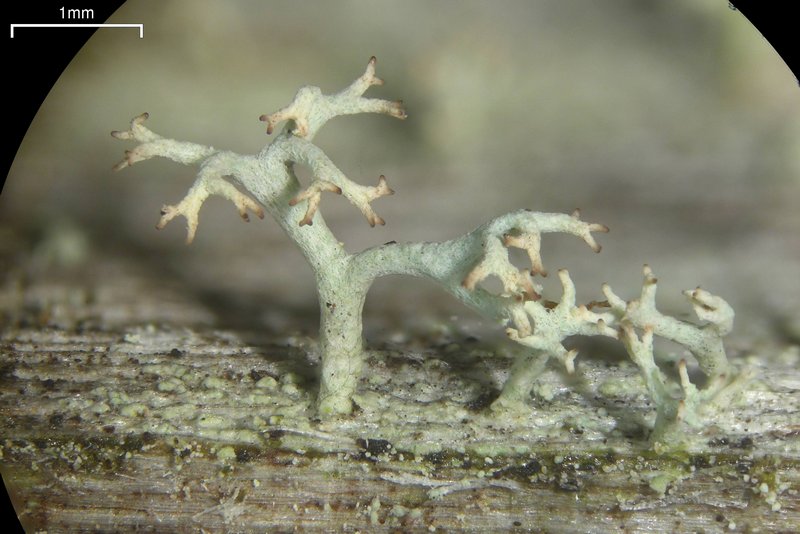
341	302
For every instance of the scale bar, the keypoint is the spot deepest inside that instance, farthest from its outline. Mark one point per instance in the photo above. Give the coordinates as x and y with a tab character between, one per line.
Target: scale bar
140	26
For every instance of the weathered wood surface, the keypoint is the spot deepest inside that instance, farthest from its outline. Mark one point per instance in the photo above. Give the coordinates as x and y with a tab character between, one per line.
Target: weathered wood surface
124	407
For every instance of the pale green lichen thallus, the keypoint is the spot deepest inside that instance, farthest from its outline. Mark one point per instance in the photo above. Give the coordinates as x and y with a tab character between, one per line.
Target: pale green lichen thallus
459	266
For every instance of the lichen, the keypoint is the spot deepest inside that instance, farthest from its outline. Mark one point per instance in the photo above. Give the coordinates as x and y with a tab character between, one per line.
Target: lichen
267	183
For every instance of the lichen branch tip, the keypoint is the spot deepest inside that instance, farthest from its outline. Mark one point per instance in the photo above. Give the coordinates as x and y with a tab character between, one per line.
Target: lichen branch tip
130	133
313	195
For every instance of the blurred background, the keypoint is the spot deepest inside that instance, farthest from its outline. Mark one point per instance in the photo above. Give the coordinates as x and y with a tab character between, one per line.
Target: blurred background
674	123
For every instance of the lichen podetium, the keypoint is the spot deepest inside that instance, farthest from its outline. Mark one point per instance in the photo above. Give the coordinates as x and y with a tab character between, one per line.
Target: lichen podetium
538	325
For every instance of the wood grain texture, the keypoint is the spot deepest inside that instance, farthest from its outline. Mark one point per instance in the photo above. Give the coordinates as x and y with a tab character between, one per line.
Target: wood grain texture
123	406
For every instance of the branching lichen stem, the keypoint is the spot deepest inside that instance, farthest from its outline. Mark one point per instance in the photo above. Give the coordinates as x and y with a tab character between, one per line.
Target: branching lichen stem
267	183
